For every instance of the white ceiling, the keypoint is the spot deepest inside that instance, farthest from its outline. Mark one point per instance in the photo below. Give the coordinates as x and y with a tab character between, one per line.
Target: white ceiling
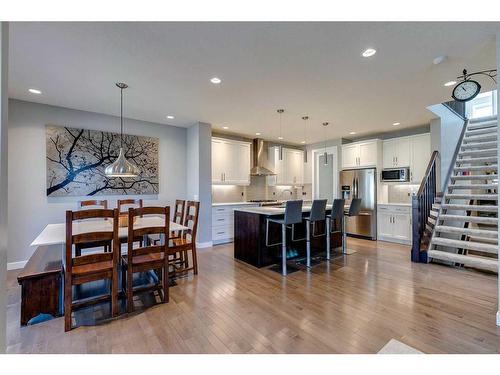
305	68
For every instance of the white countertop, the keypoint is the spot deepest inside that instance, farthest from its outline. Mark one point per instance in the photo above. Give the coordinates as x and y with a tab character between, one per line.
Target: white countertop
273	210
395	204
234	204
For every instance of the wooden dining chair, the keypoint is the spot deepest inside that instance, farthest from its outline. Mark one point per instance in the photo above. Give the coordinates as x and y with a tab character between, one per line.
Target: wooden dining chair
92	204
187	242
91	267
178	218
146	258
137	203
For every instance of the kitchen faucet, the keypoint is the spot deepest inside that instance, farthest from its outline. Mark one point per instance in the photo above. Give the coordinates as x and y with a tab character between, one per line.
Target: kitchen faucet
289	190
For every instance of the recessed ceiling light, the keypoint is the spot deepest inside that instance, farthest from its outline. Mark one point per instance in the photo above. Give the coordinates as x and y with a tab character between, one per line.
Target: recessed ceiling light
396	124
303	142
170	117
225	127
35	91
352	133
369	52
450	83
215	80
280	138
438	60
257	133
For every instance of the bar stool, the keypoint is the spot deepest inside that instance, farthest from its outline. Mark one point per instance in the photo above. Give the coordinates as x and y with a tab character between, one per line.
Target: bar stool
337	214
293	215
353	210
318	213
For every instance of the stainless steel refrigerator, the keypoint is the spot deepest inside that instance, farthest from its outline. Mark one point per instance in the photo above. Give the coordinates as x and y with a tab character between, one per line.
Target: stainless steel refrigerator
361	183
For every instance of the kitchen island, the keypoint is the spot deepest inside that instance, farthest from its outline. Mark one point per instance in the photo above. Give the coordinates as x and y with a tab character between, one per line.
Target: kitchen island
250	236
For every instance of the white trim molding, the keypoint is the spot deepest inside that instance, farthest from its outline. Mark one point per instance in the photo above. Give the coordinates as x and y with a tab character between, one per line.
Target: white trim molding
498	318
16	265
201	245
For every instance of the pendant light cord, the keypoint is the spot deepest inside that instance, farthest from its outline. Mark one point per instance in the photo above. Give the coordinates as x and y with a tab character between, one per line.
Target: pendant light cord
121	117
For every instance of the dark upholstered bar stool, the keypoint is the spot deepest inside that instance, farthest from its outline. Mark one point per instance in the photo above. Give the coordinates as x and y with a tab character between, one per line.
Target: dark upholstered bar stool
337	214
293	215
318	213
353	210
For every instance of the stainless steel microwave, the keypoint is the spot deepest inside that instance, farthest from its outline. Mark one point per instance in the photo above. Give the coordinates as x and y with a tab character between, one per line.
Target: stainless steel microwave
396	175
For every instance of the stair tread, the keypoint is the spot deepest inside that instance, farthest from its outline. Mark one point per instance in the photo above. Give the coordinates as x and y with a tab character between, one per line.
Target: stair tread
471	138
484	263
492	197
487	159
473	186
475	177
485	151
469	231
470	207
470	219
478	246
492	167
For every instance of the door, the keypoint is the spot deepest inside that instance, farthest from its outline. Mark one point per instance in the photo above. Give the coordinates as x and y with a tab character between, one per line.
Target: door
421	153
367	154
294	166
401	225
388	151
385	226
219	157
403	152
350	154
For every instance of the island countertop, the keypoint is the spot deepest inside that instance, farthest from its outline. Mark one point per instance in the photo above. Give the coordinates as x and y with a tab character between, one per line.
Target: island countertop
274	211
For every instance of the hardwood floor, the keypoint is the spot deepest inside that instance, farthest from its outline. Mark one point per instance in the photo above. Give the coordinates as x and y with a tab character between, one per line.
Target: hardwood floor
356	304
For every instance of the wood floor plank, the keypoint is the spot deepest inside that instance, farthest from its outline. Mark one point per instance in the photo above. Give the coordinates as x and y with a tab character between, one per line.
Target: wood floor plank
354	304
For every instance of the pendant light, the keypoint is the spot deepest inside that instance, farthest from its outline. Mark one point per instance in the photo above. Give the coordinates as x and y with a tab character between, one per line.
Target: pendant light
121	167
280	112
305	118
325	124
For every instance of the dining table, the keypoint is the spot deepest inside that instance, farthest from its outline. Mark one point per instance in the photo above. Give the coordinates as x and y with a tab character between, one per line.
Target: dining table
55	234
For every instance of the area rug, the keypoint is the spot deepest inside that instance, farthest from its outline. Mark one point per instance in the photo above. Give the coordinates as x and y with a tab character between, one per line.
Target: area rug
397	347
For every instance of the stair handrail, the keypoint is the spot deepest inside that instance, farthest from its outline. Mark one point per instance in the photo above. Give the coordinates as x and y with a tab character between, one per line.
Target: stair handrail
448	175
421	207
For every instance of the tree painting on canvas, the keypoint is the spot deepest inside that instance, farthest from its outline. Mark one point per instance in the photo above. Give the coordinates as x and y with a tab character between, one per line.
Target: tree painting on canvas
76	159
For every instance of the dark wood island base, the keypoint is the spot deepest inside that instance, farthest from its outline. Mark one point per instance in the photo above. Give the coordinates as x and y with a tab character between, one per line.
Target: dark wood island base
250	238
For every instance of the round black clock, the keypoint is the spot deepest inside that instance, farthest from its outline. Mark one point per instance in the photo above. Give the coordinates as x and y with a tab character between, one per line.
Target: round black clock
466	90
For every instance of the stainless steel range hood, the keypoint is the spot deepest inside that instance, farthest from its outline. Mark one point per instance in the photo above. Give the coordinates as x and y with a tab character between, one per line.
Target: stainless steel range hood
260	161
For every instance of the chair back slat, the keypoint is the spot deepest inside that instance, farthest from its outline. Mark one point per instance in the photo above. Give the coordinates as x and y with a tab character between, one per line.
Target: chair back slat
133	233
92	237
92	258
128	202
191	220
87	237
180	206
93	203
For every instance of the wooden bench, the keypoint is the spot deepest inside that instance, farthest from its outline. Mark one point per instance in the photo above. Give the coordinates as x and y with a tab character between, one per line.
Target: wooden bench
40	282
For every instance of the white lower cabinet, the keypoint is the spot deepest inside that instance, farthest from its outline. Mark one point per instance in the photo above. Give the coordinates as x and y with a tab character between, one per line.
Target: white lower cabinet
394	223
223	222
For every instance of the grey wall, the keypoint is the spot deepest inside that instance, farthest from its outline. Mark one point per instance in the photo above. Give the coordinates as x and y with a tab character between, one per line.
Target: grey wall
29	208
199	177
4	38
445	133
399	132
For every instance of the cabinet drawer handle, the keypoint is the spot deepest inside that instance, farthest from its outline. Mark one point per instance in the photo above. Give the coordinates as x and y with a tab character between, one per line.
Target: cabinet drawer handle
220	219
221	232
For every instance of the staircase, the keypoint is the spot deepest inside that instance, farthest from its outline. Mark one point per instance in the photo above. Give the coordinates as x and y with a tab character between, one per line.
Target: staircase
466	223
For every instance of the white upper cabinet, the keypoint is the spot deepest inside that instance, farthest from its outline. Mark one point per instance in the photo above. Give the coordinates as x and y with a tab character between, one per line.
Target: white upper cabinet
420	156
230	162
360	154
289	170
396	153
413	152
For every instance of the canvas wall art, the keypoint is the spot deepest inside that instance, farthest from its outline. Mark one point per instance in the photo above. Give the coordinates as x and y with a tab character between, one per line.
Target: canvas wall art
76	159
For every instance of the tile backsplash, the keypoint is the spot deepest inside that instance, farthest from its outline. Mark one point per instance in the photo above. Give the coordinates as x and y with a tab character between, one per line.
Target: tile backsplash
401	193
258	189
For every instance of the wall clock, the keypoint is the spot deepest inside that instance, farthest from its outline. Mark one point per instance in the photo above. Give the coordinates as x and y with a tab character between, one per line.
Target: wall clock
466	90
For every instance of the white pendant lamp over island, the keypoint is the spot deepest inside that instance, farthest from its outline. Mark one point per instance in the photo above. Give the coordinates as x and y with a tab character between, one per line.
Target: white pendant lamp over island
121	167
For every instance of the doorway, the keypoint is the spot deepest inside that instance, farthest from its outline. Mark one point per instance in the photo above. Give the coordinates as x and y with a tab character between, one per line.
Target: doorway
325	173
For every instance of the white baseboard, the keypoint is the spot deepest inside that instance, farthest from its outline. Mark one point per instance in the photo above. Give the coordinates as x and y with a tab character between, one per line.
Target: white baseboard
16	265
498	318
201	245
